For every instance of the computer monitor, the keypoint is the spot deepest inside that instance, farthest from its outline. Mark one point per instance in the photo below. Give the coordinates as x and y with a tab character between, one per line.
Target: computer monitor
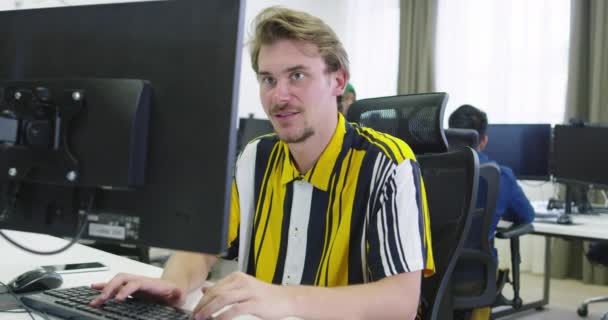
251	128
579	154
125	114
524	148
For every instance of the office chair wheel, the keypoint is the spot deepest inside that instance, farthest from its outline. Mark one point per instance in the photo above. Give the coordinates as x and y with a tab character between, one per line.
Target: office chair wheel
517	303
582	311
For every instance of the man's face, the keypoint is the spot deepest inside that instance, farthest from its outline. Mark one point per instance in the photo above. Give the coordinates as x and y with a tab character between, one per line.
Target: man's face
297	93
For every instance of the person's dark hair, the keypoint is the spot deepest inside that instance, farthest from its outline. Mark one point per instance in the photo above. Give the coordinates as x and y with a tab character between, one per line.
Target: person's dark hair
469	117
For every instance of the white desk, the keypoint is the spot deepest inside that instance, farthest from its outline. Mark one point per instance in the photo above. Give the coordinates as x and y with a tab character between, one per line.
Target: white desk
583	227
587	227
14	262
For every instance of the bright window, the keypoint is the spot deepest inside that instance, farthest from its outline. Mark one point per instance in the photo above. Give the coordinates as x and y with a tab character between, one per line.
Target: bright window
506	57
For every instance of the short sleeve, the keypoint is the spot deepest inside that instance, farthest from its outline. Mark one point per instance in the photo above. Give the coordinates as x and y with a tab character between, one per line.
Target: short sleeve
398	232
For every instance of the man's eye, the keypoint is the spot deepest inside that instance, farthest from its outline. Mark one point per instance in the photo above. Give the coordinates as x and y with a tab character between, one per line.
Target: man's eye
268	80
297	76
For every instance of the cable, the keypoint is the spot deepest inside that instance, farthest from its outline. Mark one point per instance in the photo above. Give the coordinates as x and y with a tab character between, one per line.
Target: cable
62	249
23	305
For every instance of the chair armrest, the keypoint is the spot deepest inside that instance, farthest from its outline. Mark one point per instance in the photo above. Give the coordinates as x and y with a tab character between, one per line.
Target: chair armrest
515	230
464	300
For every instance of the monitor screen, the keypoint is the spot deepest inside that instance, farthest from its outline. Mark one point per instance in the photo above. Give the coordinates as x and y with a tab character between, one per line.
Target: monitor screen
522	147
580	154
120	119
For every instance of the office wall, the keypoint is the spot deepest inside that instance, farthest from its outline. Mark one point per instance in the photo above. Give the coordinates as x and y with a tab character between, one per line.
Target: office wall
368	30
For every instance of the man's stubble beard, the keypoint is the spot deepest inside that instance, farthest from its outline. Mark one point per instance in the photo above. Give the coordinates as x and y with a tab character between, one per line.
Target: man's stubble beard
299	137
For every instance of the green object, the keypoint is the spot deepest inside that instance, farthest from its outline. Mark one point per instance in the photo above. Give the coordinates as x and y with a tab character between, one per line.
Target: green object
350	88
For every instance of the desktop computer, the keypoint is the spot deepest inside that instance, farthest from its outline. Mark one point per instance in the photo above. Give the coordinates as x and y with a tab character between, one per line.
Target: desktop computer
118	124
579	160
118	121
579	154
525	148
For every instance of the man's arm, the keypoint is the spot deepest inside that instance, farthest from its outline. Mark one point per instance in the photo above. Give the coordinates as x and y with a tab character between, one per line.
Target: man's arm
520	209
184	272
188	270
394	297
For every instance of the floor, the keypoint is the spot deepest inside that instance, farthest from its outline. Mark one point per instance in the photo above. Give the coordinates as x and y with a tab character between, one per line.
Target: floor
565	297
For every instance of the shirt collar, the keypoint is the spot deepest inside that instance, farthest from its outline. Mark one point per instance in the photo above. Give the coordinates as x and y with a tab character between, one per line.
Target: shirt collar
320	174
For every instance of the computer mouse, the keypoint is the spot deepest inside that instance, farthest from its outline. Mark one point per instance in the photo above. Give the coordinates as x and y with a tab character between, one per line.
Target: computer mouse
36	280
564	219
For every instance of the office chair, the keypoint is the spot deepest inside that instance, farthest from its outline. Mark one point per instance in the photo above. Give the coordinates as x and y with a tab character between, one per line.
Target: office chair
459	138
415	118
474	279
450	180
513	233
597	254
483	287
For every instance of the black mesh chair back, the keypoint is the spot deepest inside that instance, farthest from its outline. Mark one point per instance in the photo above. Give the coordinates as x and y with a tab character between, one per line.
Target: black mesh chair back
415	118
474	279
451	181
459	138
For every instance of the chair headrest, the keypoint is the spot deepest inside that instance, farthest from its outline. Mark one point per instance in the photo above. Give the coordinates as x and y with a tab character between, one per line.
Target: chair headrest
458	138
415	118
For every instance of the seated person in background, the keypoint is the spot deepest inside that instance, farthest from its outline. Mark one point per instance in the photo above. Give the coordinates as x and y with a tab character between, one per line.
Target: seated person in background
511	204
334	225
347	98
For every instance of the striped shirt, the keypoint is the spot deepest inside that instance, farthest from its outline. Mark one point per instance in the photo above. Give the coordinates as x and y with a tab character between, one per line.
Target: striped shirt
358	215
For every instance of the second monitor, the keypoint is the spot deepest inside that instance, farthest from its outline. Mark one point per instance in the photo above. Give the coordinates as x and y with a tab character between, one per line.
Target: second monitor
525	148
580	154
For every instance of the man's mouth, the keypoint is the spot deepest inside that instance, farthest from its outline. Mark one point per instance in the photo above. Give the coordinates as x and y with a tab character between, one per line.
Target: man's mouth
285	114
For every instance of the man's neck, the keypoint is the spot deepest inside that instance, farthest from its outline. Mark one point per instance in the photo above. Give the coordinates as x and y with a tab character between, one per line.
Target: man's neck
305	154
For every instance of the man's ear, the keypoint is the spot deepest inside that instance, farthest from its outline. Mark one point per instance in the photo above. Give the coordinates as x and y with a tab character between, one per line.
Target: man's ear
483	143
341	79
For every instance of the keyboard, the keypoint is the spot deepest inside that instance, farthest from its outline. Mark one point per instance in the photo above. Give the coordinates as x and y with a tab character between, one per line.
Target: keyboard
73	303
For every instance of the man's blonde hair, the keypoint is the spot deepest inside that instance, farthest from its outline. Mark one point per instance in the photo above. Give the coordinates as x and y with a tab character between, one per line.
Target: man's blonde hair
278	23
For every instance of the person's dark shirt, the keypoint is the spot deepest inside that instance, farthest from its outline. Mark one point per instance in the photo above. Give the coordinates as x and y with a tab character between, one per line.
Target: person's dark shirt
511	204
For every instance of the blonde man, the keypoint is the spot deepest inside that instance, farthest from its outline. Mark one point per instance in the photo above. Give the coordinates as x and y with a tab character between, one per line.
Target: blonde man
328	220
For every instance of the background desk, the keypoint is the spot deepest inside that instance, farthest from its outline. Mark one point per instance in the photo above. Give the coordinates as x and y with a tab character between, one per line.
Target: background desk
14	262
584	227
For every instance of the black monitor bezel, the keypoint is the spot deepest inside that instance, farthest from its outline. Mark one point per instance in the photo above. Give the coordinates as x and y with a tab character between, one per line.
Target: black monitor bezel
187	21
546	177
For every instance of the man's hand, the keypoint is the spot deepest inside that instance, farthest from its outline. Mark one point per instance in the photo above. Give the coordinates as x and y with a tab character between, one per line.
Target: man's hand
124	285
247	295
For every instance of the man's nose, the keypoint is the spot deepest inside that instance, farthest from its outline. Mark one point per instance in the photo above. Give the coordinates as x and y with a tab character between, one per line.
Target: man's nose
282	91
